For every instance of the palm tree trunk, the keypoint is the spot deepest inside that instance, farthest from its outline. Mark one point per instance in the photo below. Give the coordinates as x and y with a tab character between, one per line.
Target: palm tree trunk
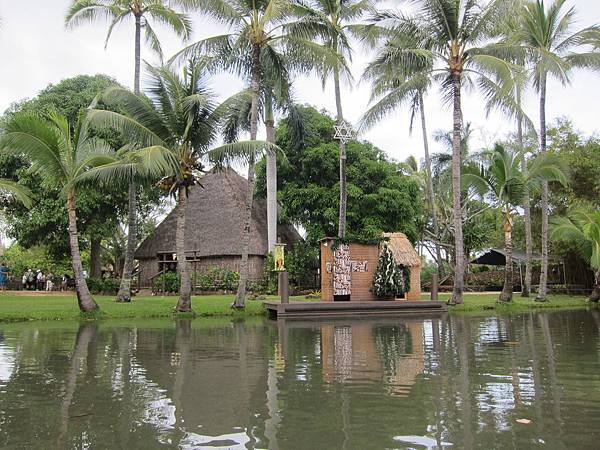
595	295
184	304
240	298
526	288
84	298
541	297
124	294
507	291
430	192
95	257
459	252
271	176
343	184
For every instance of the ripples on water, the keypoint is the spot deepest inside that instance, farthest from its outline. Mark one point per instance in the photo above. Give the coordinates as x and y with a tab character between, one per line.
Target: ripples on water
457	382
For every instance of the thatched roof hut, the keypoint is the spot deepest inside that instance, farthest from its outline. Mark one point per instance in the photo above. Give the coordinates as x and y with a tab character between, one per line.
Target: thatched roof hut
214	219
404	252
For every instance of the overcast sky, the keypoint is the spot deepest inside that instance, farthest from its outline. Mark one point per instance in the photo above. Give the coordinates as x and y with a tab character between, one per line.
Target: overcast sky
37	50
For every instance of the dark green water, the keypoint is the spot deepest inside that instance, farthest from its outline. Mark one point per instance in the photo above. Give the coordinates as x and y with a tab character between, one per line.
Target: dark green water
460	382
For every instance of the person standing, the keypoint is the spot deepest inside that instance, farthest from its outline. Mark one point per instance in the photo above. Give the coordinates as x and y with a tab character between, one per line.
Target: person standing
40	281
3	276
50	282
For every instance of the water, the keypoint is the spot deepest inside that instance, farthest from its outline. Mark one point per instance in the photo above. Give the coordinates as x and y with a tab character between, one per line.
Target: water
461	382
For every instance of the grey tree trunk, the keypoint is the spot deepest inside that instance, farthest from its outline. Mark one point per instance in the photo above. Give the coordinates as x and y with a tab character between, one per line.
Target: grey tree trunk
542	291
595	295
507	291
84	298
95	257
271	177
343	184
124	294
459	252
240	298
184	304
430	192
526	288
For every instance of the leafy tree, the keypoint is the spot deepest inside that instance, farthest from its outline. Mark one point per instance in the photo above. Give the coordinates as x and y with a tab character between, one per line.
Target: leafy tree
380	196
98	212
553	49
174	129
60	157
118	11
581	227
504	184
333	23
455	46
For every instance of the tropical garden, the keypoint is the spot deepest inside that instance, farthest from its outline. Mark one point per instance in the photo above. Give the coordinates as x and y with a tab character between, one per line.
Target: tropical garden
88	165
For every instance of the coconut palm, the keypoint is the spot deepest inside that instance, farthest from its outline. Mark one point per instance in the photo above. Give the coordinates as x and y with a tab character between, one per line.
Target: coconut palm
552	49
259	38
456	36
61	158
389	92
173	129
504	184
143	12
333	22
20	193
581	228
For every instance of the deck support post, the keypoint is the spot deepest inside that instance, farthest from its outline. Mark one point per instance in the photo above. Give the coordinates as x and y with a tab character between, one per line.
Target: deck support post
434	286
284	286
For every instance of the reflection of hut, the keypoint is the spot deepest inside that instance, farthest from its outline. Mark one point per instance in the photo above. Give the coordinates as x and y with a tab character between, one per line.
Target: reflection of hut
214	219
347	270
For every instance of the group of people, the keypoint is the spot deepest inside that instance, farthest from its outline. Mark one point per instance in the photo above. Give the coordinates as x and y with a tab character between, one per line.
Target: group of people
37	281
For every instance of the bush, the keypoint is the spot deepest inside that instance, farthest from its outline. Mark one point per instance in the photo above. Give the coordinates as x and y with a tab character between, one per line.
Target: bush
302	262
171	282
107	286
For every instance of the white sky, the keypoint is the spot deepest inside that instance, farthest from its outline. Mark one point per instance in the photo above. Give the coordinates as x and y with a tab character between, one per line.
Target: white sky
37	50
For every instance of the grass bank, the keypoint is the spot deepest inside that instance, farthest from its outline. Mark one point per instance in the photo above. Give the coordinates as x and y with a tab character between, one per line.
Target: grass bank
22	307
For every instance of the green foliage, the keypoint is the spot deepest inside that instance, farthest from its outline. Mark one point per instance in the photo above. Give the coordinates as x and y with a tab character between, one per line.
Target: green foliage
270	277
19	260
302	262
170	280
390	279
380	198
106	286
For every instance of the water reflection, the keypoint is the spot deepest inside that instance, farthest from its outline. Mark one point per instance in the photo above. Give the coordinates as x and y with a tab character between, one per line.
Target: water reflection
454	382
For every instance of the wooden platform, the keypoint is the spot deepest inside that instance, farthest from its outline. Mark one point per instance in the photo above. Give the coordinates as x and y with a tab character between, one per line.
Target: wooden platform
354	309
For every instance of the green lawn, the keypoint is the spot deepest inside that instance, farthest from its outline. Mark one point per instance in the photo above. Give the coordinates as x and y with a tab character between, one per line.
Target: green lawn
18	307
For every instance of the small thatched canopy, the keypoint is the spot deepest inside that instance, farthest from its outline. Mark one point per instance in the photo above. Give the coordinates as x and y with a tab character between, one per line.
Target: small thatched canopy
404	252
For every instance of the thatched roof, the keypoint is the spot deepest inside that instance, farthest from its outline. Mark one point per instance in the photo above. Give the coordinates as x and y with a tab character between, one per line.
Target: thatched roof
214	220
404	252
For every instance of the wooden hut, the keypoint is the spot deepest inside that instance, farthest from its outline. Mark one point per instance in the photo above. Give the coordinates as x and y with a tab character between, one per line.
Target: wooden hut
347	271
214	230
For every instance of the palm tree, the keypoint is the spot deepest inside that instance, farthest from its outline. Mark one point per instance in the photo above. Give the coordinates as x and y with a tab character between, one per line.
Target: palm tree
504	184
20	193
332	21
259	38
581	228
143	13
173	129
553	49
61	158
389	92
456	36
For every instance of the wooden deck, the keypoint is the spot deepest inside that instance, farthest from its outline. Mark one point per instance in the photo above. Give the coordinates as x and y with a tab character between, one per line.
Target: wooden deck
354	309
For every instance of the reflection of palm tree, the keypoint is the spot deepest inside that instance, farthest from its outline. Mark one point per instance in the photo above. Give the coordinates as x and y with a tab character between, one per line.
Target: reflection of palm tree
86	333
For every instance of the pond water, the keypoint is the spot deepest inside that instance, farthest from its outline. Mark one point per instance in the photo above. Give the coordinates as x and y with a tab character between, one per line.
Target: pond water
457	382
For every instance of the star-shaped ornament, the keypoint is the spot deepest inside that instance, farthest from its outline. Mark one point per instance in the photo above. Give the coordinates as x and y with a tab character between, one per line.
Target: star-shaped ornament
344	132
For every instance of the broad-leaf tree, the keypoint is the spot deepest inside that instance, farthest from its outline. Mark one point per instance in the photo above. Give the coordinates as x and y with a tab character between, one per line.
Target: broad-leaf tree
504	185
173	130
457	37
553	49
143	13
61	157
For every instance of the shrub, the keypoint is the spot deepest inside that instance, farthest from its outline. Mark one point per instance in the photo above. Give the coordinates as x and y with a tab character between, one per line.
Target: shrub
171	282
